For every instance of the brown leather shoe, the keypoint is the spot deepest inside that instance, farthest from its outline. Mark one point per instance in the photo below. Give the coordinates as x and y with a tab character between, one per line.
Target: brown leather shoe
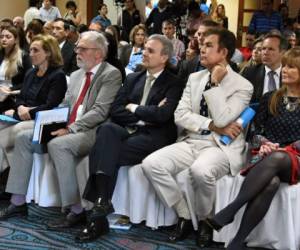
70	220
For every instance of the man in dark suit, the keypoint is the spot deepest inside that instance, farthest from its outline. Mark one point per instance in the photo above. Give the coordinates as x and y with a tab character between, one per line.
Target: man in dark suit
60	27
141	122
266	77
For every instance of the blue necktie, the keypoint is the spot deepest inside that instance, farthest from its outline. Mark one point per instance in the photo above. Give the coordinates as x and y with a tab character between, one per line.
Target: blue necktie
204	107
271	83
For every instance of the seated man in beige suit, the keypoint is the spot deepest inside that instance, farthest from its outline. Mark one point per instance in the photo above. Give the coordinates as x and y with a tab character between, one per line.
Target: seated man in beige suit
212	100
91	91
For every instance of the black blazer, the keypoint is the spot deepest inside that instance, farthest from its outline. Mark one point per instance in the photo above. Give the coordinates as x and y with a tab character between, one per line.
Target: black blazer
17	80
256	75
159	120
188	67
50	93
125	53
69	57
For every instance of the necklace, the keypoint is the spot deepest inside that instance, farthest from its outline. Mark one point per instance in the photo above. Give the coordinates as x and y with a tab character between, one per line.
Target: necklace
291	105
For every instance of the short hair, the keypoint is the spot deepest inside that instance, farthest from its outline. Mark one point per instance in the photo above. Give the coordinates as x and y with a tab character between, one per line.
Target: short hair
209	23
226	39
70	4
82	28
101	5
50	45
98	39
169	22
283	43
66	24
36	26
258	40
288	33
166	44
135	30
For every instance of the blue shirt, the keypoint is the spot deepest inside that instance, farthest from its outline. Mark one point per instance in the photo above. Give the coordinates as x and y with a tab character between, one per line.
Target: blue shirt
103	21
134	60
261	23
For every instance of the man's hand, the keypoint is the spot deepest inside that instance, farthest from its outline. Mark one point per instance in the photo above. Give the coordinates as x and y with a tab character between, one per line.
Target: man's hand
218	73
232	130
9	112
267	148
131	107
162	102
23	113
60	132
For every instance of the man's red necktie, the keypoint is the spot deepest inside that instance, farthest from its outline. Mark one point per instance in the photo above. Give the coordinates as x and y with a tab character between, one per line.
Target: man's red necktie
81	97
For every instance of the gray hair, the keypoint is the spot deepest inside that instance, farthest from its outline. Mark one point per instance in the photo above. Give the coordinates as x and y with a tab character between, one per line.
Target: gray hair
98	39
166	43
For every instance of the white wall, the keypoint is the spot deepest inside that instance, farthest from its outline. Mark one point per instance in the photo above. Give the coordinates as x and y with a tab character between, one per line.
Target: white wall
231	8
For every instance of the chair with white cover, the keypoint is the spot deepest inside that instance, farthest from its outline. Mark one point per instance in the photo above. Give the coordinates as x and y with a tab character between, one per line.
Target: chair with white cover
133	195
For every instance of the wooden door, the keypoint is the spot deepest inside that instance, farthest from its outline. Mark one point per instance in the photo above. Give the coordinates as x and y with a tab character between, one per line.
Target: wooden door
246	10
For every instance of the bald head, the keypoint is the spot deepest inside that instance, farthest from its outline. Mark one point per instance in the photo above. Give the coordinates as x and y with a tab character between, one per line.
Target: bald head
19	22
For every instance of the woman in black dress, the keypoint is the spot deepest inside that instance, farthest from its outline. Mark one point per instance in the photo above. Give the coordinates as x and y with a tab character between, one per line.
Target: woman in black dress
278	124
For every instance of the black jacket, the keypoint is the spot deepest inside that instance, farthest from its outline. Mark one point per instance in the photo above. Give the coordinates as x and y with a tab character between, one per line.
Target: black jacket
69	57
256	75
159	120
49	93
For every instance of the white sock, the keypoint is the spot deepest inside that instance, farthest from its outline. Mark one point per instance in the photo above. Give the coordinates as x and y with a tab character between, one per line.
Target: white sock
182	209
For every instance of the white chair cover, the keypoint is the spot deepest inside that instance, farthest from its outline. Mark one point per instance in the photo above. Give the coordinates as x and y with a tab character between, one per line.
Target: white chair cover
133	195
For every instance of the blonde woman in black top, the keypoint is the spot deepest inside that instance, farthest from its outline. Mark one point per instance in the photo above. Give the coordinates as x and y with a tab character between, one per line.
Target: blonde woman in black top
278	124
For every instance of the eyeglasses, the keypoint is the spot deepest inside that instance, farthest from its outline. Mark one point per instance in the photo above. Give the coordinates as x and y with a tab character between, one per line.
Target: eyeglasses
79	49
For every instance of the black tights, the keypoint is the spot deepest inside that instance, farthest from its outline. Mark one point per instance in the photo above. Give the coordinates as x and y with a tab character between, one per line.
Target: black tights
257	190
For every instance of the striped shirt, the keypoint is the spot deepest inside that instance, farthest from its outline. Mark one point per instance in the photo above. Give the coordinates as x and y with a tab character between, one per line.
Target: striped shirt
262	23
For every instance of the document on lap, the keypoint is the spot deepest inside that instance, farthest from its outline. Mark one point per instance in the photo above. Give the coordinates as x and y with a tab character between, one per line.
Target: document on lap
48	121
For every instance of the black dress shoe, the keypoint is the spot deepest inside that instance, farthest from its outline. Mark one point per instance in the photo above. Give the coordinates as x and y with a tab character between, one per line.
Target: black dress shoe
70	220
93	230
101	209
213	224
183	229
13	211
5	196
204	235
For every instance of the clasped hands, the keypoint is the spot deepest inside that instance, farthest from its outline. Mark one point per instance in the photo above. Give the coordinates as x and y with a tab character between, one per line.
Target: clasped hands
232	130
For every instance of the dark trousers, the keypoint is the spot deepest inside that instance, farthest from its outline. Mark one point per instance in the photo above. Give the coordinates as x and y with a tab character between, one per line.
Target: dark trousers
114	148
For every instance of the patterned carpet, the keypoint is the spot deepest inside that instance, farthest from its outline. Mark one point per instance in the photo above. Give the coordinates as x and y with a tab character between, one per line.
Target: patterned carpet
31	233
